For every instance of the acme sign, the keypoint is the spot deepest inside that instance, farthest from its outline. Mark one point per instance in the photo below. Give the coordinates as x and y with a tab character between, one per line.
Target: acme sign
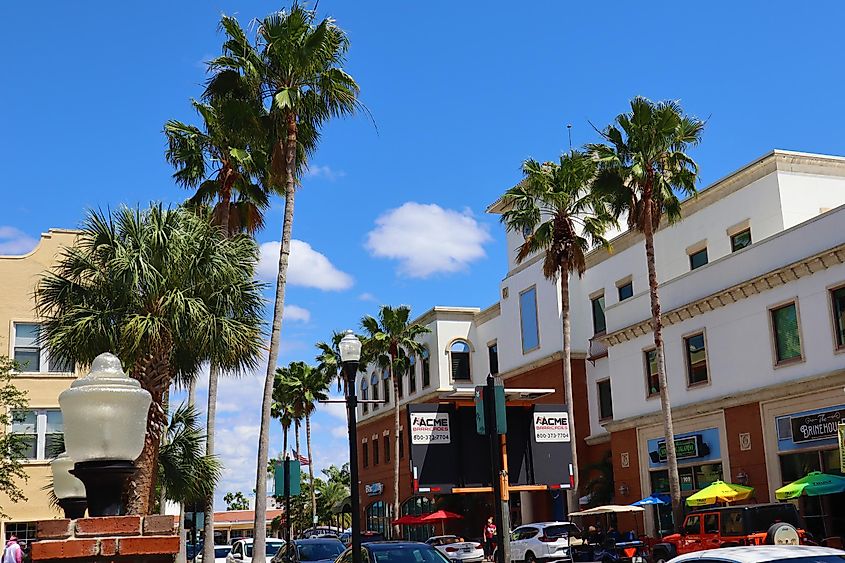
430	428
819	426
551	427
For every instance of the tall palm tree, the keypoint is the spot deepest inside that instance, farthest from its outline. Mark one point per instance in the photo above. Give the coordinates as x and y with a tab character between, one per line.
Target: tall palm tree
283	408
309	386
565	218
643	168
328	359
193	300
221	161
295	66
389	340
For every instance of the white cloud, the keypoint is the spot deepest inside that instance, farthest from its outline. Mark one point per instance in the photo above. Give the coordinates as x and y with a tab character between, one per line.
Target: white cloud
340	432
367	297
14	241
307	267
326	172
427	239
297	313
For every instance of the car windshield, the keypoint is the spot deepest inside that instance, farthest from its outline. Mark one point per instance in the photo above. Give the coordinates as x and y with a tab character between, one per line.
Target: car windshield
447	541
221	552
271	548
761	518
407	554
318	551
560	531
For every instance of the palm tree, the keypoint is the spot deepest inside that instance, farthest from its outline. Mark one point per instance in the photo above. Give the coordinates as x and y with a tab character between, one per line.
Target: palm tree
295	66
643	168
565	219
221	161
193	299
308	386
329	362
389	340
284	405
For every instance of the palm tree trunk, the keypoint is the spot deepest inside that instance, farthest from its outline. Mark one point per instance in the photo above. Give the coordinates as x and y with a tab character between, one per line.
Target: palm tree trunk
211	414
260	522
142	488
311	469
397	531
572	496
192	393
666	407
182	555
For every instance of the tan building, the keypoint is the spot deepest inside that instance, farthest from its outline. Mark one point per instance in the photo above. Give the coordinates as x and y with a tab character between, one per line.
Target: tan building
43	378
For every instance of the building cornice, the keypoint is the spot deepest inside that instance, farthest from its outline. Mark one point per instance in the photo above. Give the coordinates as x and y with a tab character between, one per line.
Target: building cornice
774	278
439	313
802	386
489	313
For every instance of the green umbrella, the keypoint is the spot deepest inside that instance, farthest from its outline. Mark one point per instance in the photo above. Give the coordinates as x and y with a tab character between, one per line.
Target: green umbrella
813	484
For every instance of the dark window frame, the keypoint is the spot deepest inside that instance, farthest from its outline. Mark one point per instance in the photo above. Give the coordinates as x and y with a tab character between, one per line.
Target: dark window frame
735	246
493	357
779	354
425	361
593	302
453	372
603	415
375	451
630	292
838	322
365	454
522	326
693	265
649	375
688	359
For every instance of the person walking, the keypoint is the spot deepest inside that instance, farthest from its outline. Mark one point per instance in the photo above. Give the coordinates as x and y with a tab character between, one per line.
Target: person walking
12	552
489	539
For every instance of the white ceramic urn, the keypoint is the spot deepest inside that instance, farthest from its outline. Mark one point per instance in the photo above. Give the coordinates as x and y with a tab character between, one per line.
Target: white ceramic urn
105	414
65	485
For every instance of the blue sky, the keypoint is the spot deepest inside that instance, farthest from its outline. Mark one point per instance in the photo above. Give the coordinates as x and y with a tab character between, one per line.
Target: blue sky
461	93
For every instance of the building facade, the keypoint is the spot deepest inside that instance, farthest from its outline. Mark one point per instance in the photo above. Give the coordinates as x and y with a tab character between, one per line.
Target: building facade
752	287
41	377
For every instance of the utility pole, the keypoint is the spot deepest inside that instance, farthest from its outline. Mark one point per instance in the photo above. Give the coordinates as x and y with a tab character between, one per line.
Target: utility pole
287	498
499	474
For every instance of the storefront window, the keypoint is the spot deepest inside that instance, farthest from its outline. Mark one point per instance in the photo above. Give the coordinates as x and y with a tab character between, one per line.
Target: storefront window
378	518
417	506
705	475
795	466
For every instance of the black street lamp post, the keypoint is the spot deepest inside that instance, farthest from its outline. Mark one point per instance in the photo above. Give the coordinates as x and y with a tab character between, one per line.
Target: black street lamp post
350	356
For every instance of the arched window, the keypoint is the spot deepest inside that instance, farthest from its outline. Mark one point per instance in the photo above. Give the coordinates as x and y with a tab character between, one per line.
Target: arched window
426	368
459	360
365	407
412	374
385	381
417	506
374	384
378	517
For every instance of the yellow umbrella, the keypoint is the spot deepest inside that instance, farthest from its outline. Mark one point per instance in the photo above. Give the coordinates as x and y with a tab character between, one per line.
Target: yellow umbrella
719	491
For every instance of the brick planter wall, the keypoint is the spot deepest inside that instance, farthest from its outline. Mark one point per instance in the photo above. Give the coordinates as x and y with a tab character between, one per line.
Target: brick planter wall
113	539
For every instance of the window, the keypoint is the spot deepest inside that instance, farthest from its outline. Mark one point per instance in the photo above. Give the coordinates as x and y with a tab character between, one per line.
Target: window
740	240
698	259
651	380
365	454
401	444
412	375
40	432
30	356
27	351
528	320
374	385
493	357
385	383
696	359
426	368
364	406
599	323
625	290
24	531
605	400
375	451
692	525
459	360
837	297
711	523
386	441
786	337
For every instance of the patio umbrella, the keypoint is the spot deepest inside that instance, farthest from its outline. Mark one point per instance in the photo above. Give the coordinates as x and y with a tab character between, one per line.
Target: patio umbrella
813	484
439	516
652	499
407	520
719	491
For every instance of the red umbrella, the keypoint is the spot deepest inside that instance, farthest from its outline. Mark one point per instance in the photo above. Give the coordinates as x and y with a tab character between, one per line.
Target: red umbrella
407	520
439	516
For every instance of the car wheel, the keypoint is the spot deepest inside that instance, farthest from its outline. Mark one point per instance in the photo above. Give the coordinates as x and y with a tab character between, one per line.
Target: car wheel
660	556
529	558
782	533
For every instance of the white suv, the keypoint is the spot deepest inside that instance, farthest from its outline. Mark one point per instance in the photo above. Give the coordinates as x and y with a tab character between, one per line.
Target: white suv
542	541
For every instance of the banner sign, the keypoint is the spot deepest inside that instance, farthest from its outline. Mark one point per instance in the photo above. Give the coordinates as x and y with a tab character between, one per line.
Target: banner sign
684	448
819	426
551	427
430	428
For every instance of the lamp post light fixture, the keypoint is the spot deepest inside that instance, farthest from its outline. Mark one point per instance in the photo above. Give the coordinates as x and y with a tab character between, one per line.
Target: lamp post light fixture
68	489
350	357
105	420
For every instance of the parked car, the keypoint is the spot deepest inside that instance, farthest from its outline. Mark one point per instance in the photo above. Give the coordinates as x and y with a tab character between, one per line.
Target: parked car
242	550
312	550
749	524
766	554
220	553
396	552
370	536
346	538
542	541
192	550
456	549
